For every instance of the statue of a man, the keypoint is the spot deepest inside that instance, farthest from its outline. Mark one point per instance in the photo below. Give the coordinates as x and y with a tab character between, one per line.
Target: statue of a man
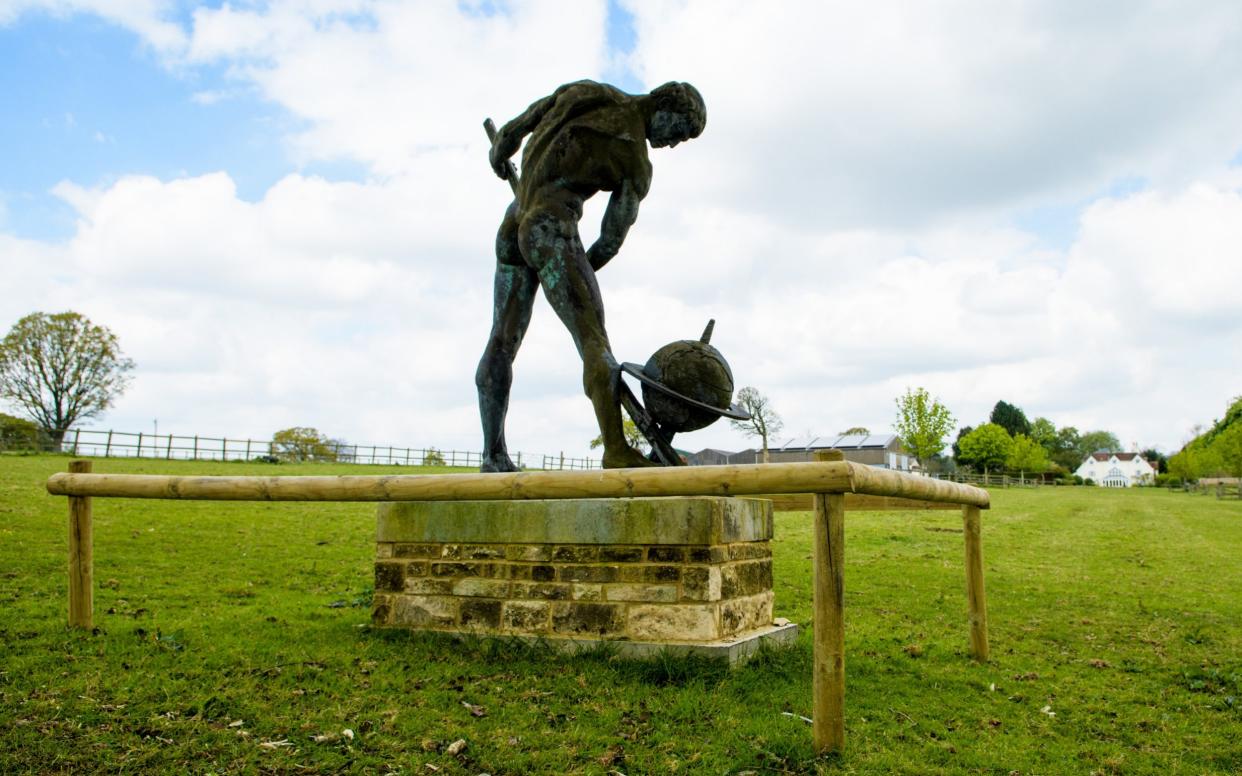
585	137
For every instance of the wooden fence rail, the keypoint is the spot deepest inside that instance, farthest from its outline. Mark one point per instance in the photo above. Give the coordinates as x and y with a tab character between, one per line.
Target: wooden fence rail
194	447
834	483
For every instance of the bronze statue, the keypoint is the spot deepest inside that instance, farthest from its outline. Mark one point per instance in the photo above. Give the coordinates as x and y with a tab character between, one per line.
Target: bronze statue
585	137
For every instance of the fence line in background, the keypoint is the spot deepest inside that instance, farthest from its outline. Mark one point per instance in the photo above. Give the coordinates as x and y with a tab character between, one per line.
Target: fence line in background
988	480
173	447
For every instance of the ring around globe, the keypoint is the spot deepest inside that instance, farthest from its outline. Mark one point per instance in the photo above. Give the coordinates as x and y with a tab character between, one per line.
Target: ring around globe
687	385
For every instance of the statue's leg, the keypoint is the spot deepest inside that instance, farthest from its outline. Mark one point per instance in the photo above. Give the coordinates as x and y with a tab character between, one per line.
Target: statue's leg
551	244
515	286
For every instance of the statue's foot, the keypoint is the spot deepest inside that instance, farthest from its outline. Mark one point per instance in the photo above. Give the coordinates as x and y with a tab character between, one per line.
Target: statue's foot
626	458
498	463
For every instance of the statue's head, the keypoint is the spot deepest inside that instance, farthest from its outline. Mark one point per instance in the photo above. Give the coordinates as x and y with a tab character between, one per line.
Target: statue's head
677	114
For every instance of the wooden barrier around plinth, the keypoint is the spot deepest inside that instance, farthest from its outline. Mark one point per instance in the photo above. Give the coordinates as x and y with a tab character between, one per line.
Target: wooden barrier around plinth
832	485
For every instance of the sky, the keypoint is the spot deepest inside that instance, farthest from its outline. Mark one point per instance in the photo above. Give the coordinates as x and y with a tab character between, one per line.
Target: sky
284	210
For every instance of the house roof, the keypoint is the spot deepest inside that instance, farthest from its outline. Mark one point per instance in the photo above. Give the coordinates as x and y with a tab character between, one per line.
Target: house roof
1103	455
840	442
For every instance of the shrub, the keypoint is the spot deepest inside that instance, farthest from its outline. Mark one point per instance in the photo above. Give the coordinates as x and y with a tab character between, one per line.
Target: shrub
1088	481
22	434
433	457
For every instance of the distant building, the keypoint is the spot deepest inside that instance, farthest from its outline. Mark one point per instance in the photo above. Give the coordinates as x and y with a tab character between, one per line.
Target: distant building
1116	470
882	450
710	456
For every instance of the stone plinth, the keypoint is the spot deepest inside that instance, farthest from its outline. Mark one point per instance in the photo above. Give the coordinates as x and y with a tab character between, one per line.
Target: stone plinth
646	573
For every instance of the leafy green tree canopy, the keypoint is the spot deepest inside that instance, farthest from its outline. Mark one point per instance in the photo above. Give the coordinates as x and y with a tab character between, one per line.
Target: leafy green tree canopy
61	369
856	431
987	447
1026	455
1092	441
303	443
633	436
1044	434
1010	418
922	423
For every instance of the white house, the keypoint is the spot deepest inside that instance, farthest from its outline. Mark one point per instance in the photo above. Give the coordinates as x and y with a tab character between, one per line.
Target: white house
1117	470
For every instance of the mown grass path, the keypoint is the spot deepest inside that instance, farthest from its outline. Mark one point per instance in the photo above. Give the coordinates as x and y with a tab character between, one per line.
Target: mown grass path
231	635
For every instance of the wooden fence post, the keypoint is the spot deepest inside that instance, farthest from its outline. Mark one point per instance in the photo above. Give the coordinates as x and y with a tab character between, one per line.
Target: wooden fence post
975	598
828	678
108	446
828	662
81	555
139	453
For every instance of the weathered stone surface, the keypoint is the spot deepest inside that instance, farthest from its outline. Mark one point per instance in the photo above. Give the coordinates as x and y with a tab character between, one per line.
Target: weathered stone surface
389	576
706	554
381	609
548	591
749	551
529	552
517	571
588	574
743	614
481	613
473	551
689	520
682	570
641	593
575	554
700	583
463	569
424	611
429	586
526	616
673	622
594	619
417	568
406	550
478	586
586	592
666	554
609	554
745	578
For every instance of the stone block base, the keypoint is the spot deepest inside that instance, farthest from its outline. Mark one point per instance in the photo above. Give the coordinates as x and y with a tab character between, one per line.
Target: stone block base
658	572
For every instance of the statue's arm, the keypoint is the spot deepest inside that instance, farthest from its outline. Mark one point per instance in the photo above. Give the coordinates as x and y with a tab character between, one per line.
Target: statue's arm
509	138
620	215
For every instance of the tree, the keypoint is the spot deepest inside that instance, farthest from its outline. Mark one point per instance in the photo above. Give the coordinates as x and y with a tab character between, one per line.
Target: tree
1067	450
1010	418
987	446
633	437
61	369
1158	460
1026	455
22	434
763	419
856	431
922	423
958	456
1044	433
1228	447
1092	441
302	443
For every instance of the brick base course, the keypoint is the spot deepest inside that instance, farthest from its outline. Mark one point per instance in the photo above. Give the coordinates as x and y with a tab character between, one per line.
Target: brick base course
666	592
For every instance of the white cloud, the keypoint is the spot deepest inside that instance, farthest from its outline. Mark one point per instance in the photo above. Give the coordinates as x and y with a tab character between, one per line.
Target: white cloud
844	217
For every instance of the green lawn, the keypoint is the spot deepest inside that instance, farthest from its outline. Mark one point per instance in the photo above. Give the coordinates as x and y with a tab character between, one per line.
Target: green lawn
231	635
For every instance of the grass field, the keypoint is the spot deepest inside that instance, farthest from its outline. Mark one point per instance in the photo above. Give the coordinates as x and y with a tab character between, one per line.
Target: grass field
234	638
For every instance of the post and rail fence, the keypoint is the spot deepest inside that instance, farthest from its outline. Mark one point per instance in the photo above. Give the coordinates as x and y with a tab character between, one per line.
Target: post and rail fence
834	486
92	443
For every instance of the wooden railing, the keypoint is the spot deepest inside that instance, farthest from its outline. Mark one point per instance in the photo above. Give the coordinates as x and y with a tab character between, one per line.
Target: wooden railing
835	485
